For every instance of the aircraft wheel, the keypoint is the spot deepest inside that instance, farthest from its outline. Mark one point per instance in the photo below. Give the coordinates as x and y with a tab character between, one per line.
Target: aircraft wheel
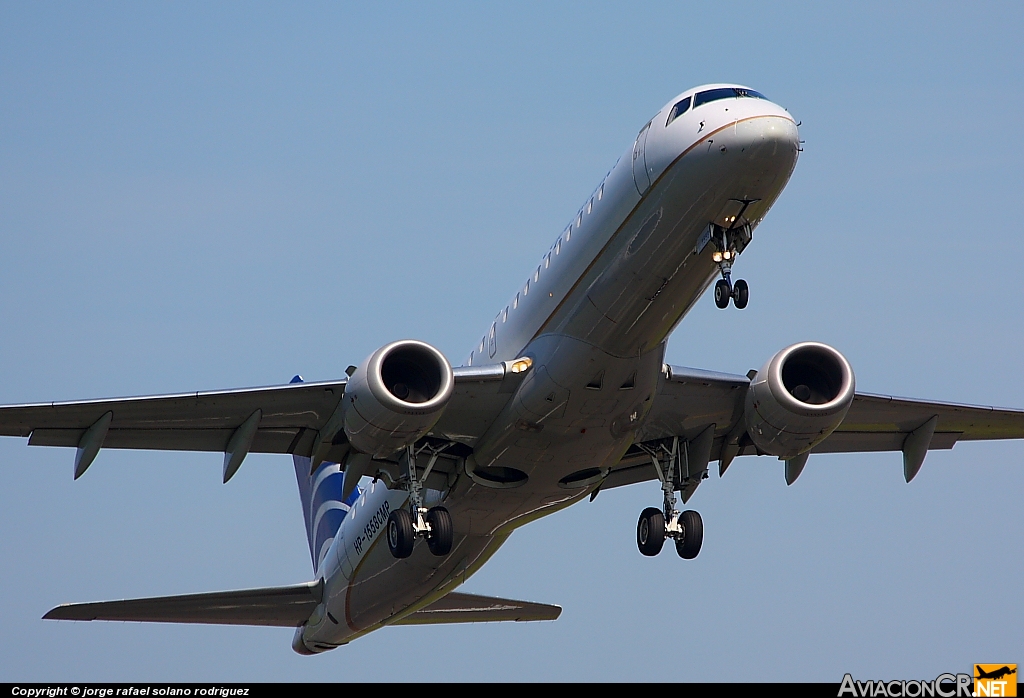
693	535
741	294
400	533
650	532
441	533
722	293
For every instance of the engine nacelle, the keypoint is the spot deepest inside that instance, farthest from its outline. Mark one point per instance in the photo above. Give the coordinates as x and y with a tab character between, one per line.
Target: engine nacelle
798	398
396	396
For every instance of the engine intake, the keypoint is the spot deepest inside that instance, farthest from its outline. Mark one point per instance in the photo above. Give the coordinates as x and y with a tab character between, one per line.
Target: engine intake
798	398
396	396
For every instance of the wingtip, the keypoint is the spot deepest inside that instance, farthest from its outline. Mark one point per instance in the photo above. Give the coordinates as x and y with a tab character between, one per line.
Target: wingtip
63	612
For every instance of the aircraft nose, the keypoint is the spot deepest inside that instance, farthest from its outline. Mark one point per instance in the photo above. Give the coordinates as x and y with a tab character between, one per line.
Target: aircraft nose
770	135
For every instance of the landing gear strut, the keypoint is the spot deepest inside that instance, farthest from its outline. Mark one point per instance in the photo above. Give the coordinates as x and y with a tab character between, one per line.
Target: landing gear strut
729	242
406	525
685	528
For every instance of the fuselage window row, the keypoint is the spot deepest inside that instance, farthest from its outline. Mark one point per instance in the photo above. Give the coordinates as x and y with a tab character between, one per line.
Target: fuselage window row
557	248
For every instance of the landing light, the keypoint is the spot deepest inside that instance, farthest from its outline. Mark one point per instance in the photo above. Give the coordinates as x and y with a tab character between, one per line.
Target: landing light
521	365
727	254
717	256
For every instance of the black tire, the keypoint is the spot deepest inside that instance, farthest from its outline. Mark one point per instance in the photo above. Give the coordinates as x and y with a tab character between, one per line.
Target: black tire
740	294
650	532
722	293
441	532
693	535
400	534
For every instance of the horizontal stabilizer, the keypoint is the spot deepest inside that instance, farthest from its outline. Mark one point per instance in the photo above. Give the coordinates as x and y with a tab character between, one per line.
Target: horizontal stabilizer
470	608
282	606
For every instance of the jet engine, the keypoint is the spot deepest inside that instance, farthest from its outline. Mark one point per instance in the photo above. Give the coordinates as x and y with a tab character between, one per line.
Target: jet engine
798	398
396	396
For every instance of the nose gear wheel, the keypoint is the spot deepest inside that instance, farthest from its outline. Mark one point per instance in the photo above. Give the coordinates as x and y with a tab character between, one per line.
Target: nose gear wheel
740	294
722	293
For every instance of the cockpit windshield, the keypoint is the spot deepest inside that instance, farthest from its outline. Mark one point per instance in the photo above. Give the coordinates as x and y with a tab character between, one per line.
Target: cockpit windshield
724	93
678	109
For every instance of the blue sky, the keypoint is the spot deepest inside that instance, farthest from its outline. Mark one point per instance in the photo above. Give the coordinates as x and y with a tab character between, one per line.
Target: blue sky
198	196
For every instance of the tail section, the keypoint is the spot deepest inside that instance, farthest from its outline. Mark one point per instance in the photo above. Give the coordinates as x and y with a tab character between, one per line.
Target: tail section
322	506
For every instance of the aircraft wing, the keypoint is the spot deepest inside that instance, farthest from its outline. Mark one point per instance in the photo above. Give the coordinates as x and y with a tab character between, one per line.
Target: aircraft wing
290	606
689	400
471	608
288	420
201	421
281	606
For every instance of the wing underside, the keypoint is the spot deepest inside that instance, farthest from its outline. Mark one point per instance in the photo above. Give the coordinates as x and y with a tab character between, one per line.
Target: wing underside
288	417
279	606
690	400
457	607
291	417
291	606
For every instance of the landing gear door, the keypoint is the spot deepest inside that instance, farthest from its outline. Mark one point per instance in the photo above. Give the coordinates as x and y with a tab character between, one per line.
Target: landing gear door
640	178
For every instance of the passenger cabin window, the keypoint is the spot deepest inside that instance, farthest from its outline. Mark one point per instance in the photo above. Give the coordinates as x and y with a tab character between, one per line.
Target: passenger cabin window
678	110
724	93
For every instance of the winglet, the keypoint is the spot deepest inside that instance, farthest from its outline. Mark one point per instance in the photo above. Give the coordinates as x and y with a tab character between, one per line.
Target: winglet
240	443
91	442
915	447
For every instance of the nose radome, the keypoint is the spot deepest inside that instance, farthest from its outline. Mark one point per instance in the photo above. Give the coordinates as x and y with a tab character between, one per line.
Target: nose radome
774	131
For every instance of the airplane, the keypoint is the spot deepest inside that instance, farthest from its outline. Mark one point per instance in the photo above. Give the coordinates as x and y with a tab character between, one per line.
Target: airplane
412	473
996	674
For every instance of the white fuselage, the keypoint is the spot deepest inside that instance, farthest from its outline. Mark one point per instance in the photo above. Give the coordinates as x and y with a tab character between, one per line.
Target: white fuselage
594	315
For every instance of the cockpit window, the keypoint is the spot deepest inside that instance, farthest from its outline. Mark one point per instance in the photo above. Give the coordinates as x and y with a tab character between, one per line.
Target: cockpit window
678	110
724	93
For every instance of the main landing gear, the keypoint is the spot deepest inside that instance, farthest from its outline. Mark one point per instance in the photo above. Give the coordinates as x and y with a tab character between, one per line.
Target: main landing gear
685	528
406	525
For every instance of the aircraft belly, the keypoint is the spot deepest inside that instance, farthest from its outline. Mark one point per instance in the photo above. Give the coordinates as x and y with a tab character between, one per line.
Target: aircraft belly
568	423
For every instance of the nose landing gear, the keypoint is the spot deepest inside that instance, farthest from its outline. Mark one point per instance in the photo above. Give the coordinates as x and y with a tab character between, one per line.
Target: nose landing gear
725	289
729	242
